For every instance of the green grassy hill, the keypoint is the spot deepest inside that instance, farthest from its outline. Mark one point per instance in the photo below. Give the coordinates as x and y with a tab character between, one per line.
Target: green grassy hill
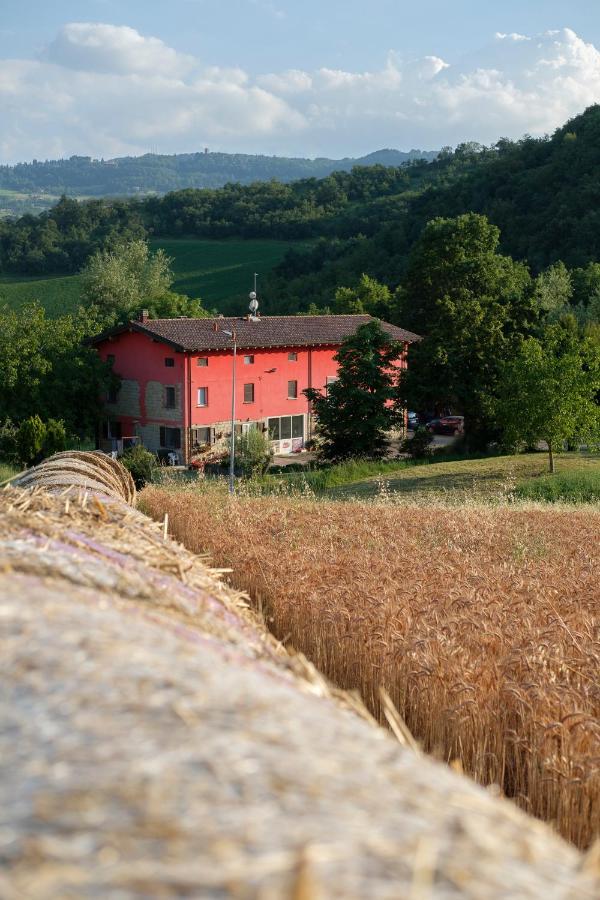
57	294
220	272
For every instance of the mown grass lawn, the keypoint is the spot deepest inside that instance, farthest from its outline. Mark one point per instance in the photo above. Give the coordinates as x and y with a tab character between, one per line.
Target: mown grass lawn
479	478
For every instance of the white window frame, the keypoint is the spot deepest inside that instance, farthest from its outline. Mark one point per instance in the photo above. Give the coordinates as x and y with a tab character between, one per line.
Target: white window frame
198	403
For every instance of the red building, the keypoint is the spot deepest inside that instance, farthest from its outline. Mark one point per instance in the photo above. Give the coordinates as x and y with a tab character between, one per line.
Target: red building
176	378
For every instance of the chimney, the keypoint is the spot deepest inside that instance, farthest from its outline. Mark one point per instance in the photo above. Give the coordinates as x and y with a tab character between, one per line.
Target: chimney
143	316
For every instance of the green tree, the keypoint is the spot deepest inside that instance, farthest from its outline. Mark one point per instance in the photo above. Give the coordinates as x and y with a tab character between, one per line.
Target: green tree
472	306
549	392
358	410
119	282
47	369
553	291
369	296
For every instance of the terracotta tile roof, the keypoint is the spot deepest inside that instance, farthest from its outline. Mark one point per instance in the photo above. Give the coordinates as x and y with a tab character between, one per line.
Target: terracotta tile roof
269	331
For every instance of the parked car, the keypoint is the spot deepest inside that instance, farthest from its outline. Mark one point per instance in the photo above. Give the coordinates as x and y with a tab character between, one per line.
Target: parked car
446	425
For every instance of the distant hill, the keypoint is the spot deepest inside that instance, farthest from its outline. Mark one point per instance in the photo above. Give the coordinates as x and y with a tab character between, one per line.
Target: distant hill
35	185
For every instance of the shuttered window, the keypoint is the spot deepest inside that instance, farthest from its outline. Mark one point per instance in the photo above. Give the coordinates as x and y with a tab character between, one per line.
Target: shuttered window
170	397
248	393
292	390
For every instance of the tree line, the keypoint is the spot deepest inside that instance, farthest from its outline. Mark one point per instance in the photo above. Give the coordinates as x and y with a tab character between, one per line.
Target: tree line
158	173
540	192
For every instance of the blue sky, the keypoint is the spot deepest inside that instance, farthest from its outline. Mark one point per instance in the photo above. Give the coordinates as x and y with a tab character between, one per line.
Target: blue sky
266	34
335	77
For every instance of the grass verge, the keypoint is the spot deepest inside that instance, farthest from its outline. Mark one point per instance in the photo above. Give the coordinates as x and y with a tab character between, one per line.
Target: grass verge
569	486
480	478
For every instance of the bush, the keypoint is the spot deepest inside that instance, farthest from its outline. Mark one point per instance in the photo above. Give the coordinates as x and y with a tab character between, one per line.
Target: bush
55	439
141	463
253	454
286	470
30	440
8	441
419	445
567	487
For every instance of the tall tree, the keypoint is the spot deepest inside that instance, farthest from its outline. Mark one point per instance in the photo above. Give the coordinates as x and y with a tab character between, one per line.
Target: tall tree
369	296
549	391
472	306
119	282
553	291
359	409
46	369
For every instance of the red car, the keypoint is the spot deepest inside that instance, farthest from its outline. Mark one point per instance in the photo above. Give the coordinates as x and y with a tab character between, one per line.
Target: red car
447	425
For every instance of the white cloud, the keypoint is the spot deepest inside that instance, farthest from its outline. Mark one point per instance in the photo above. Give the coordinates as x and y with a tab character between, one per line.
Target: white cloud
95	47
514	36
293	81
106	90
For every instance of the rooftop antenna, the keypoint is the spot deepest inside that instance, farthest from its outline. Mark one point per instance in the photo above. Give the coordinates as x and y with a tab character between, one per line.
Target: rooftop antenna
253	300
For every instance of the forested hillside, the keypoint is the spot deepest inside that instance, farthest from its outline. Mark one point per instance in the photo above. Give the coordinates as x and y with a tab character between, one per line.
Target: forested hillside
542	193
155	173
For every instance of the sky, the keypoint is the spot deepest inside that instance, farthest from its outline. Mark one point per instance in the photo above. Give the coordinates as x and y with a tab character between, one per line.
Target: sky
289	77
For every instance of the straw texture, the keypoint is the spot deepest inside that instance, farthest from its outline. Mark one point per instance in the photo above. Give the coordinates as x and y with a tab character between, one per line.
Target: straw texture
155	741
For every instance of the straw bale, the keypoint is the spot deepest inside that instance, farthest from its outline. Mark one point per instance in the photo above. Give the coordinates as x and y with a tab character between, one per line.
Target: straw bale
156	741
89	469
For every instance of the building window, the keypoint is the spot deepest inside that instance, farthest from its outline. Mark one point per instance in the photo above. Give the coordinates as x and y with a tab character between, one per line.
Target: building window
249	360
203	396
202	361
170	397
283	428
170	438
331	379
113	394
293	357
201	436
169	362
248	393
292	390
111	430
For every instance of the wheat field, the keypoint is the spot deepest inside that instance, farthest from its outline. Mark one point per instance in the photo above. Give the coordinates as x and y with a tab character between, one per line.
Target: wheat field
481	623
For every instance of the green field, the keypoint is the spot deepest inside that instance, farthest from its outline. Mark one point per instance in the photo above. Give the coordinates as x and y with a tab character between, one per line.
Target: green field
221	273
58	295
476	478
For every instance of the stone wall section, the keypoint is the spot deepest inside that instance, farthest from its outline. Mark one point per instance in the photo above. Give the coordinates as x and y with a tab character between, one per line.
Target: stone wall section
150	436
155	402
128	400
